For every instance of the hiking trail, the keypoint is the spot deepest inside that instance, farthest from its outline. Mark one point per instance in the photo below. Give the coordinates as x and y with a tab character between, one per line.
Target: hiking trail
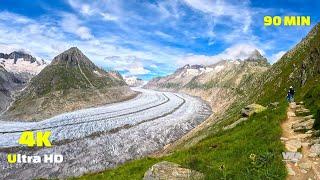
298	137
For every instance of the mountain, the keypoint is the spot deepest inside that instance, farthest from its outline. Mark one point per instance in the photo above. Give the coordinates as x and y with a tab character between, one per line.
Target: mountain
70	82
23	65
220	84
134	81
8	85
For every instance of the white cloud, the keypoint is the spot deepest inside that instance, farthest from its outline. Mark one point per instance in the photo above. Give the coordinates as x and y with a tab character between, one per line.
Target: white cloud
132	64
238	51
108	17
4	16
71	24
46	39
137	70
237	12
164	35
84	8
95	8
275	57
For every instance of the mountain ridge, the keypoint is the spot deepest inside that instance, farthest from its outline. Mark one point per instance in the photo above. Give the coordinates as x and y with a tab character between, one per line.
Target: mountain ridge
70	81
219	83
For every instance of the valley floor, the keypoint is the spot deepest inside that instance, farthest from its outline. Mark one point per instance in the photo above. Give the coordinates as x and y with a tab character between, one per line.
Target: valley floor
94	139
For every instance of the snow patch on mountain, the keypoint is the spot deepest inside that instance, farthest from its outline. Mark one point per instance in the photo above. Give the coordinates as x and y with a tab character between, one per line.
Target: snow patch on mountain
22	66
134	81
19	62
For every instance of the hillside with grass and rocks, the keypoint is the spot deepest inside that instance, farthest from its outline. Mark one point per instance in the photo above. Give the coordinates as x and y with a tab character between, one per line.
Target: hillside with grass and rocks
248	138
71	81
220	84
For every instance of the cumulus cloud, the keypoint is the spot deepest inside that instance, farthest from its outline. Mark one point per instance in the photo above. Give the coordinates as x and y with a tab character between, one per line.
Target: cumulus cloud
4	16
96	8
108	17
238	51
84	8
71	24
46	39
217	9
131	64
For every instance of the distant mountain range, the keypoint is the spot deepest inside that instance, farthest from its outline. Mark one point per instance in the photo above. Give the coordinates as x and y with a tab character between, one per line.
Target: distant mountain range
218	83
71	81
16	70
134	81
22	64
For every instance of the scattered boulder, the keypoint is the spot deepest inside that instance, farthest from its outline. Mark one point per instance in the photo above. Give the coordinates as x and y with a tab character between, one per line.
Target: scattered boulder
305	166
308	117
293	145
305	118
283	139
290	170
304	171
273	105
303	125
300	103
293	105
315	141
235	123
169	170
252	109
291	114
314	150
309	132
302	111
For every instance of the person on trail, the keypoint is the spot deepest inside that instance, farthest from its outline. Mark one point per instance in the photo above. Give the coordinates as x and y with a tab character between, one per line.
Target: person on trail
290	95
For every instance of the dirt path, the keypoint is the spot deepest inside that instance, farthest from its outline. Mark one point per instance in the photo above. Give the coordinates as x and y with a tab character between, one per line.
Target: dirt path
297	135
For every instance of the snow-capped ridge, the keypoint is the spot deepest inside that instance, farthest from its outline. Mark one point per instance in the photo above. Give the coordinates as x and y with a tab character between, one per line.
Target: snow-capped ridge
20	62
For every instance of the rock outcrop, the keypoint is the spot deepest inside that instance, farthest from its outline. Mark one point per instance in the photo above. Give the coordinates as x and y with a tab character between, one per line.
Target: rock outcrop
172	171
252	109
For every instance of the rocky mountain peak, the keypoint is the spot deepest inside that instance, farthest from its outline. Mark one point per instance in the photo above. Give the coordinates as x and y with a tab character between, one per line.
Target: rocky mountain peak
256	57
73	57
18	55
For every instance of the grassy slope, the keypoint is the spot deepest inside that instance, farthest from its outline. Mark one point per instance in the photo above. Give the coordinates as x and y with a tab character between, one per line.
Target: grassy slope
232	148
259	135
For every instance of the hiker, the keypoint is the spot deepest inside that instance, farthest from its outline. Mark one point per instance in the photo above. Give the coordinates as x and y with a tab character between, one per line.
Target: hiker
290	95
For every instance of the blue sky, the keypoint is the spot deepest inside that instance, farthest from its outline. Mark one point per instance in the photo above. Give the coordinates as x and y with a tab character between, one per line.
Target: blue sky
151	38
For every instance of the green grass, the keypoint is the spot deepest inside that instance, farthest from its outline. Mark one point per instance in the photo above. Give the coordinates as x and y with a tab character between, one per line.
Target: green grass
312	102
232	149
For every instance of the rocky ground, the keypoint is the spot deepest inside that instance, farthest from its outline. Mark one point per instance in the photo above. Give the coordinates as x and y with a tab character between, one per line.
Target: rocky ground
299	136
94	139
